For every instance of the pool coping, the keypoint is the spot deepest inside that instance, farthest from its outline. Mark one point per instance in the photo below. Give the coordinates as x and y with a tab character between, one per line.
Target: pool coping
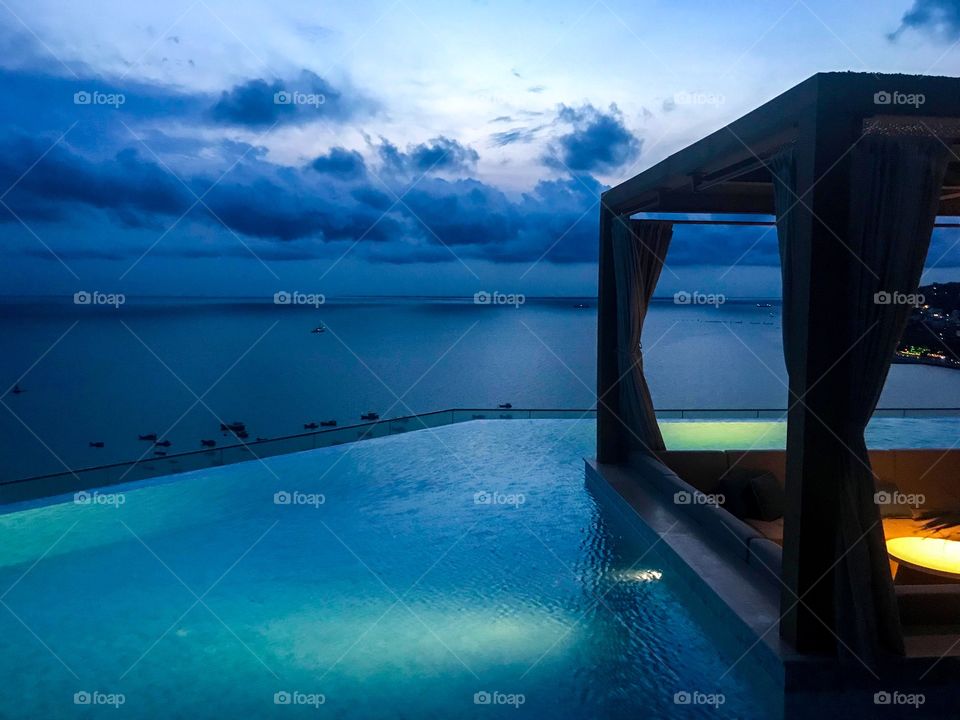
751	603
747	604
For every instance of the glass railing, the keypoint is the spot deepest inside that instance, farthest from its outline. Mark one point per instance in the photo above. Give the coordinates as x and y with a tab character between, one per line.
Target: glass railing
106	475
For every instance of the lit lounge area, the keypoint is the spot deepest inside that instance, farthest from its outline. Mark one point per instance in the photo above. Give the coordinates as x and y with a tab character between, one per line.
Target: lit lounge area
838	564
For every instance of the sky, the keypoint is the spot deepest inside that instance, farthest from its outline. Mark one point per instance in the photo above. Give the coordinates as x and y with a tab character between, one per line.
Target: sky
398	147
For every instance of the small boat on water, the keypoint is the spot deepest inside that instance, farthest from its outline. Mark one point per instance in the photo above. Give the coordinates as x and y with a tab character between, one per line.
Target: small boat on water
233	427
319	329
17	389
581	306
506	406
96	444
328	423
152	437
163	443
370	416
764	305
310	426
208	443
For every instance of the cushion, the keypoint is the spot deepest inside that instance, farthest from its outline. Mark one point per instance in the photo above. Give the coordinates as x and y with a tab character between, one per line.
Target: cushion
766	496
770	529
699	468
751	494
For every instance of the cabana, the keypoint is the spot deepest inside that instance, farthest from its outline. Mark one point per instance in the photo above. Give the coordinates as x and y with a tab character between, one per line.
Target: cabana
855	168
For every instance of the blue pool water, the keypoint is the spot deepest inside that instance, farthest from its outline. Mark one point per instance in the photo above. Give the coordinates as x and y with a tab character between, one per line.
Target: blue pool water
419	586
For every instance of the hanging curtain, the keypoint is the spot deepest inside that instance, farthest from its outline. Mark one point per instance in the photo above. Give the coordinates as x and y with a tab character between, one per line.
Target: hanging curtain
895	191
895	187
639	249
784	168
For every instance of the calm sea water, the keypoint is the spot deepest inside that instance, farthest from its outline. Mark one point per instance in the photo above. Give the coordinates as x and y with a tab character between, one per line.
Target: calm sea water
178	367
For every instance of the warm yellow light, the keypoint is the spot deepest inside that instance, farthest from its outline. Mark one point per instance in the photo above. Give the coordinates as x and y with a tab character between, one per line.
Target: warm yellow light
927	553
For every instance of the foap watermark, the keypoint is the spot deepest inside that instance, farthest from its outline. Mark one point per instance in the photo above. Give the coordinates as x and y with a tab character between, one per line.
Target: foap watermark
485	497
886	697
498	298
95	697
698	98
295	297
495	697
695	697
95	97
683	497
295	97
296	697
299	498
696	297
85	497
95	297
898	298
885	497
895	97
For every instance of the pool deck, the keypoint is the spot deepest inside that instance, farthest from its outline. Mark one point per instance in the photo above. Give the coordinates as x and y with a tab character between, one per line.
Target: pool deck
745	600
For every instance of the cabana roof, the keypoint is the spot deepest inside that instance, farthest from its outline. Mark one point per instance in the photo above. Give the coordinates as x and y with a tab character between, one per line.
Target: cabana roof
725	172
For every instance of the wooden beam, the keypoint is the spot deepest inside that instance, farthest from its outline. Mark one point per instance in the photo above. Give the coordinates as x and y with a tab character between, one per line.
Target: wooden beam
723	154
755	200
759	132
611	442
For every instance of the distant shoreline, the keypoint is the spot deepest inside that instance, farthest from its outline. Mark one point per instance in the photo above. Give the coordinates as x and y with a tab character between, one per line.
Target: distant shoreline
268	299
933	362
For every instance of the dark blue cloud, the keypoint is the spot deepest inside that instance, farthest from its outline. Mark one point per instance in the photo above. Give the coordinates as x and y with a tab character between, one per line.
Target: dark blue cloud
35	100
261	103
137	192
515	135
441	154
99	193
295	213
124	183
372	197
341	163
940	18
598	141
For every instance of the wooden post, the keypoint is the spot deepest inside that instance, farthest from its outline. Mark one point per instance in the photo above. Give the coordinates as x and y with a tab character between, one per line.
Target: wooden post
611	442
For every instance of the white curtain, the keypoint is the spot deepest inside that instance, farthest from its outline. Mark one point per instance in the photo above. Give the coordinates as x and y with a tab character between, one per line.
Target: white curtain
639	249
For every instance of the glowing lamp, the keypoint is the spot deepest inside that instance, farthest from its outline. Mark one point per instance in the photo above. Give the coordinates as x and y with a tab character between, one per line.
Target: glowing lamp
929	554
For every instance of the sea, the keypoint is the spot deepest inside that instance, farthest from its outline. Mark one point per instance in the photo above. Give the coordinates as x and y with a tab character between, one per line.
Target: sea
106	372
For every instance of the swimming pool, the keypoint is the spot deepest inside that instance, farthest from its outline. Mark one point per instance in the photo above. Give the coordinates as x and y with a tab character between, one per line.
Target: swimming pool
463	571
883	433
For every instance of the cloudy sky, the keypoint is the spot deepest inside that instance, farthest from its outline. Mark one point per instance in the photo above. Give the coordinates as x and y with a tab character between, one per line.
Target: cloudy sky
394	147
